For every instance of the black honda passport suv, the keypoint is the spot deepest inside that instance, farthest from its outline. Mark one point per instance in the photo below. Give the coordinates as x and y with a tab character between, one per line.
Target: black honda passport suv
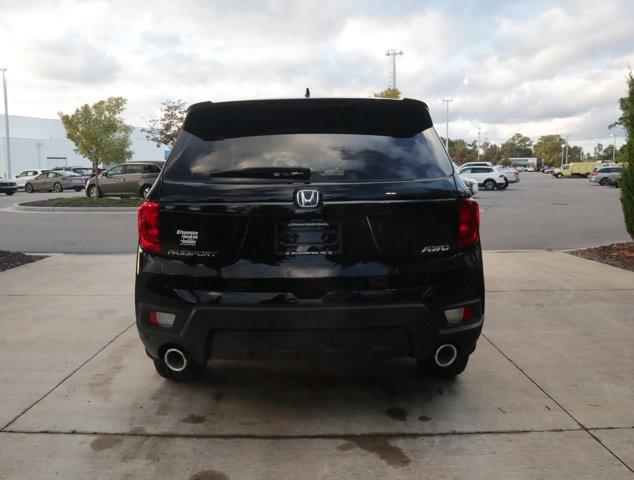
309	229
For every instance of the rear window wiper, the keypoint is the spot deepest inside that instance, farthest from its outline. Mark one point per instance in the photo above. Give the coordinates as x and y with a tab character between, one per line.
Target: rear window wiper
282	173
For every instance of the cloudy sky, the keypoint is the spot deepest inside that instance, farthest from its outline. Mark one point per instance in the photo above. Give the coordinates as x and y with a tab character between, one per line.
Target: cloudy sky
535	67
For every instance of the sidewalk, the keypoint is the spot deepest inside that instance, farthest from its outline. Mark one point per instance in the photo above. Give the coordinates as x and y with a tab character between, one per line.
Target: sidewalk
549	392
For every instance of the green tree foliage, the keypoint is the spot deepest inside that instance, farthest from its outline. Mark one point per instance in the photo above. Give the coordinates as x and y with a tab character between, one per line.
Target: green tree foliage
388	93
461	151
548	149
98	131
165	129
627	178
575	154
491	153
517	146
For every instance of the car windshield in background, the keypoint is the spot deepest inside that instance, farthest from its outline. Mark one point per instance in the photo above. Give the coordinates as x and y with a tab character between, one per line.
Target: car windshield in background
322	157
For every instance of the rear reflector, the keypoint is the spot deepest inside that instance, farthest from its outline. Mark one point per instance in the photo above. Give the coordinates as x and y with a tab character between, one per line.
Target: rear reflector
148	223
468	223
160	319
463	314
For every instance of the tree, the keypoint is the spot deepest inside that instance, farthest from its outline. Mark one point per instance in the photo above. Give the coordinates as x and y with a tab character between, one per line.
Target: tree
388	93
548	149
626	120
461	151
165	129
99	133
517	146
491	153
575	154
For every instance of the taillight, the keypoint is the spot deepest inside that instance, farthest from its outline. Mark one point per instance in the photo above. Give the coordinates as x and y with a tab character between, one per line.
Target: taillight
160	319
468	223
594	174
148	223
462	314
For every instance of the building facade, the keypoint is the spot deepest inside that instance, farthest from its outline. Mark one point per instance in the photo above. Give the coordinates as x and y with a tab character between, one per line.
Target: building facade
40	143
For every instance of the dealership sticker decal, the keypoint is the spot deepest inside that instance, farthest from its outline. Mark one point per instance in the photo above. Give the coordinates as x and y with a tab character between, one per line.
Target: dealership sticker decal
188	238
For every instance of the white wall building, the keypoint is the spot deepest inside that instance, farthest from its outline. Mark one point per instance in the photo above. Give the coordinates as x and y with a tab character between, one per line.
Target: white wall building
39	143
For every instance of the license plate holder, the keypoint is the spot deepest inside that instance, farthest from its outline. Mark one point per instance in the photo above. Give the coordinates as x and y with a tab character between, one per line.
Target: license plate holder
308	237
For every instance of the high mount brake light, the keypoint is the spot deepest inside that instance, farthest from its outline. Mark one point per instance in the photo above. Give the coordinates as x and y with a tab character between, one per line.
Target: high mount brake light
468	223
148	223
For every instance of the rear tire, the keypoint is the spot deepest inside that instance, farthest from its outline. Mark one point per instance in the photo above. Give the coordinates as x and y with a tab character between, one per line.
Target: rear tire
193	371
77	189
57	187
91	191
588	175
503	187
9	193
430	368
560	175
28	188
489	184
145	190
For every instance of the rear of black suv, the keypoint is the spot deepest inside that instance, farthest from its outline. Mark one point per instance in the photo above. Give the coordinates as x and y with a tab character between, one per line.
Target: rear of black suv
312	229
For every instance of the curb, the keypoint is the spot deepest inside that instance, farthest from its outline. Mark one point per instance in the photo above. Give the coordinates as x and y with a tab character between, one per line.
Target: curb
25	209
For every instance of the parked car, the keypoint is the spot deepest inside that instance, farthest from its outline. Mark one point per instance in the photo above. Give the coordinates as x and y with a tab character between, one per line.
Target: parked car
471	183
8	186
328	229
488	177
26	175
84	172
577	169
53	181
614	182
547	169
130	179
476	164
511	174
602	175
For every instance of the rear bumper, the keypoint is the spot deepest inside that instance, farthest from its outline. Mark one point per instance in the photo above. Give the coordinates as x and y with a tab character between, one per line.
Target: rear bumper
308	333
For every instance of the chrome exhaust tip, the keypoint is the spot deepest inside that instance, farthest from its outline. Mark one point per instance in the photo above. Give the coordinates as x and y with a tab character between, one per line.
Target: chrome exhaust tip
175	359
445	355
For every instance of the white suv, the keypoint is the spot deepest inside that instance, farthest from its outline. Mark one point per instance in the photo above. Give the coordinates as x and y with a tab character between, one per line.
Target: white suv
23	177
488	177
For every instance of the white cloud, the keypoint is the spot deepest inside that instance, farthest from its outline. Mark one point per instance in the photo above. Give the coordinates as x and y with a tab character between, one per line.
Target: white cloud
538	67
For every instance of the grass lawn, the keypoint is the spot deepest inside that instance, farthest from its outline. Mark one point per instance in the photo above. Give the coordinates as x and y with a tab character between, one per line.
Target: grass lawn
86	202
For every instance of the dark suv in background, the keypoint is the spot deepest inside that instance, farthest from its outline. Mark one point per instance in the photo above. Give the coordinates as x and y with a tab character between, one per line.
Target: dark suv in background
130	179
326	229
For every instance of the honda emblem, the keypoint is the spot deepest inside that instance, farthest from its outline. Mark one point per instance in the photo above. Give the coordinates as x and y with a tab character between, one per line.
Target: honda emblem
307	198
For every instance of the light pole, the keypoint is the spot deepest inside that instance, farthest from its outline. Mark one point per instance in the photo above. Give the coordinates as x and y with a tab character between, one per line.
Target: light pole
39	156
447	100
613	148
563	146
6	120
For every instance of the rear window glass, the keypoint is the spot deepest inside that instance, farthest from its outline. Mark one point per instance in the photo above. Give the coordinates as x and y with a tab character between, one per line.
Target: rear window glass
330	157
133	169
151	169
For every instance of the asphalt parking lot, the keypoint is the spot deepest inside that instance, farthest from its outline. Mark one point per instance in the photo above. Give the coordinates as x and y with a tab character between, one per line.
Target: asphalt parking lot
547	394
538	213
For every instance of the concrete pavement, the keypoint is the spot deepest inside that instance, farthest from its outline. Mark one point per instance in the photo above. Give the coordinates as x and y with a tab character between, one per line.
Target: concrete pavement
548	393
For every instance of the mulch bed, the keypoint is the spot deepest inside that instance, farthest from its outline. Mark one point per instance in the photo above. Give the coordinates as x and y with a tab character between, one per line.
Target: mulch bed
15	259
85	202
618	255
